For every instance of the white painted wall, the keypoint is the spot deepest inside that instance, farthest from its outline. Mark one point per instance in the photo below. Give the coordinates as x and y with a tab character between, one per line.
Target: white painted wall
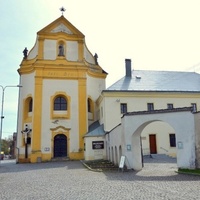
72	50
115	139
50	49
94	88
94	154
34	51
183	124
27	81
197	131
101	112
88	56
111	115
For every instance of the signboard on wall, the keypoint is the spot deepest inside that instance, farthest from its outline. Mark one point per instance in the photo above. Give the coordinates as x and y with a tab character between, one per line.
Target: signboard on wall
97	144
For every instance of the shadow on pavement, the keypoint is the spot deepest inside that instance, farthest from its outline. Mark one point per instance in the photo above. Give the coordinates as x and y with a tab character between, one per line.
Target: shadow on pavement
11	166
137	176
159	158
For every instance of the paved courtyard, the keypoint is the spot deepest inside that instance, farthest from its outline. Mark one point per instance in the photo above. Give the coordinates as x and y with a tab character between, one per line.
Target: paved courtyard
71	180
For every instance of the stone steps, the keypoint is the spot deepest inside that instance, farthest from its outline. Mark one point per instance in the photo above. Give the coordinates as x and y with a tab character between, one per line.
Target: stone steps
100	165
60	159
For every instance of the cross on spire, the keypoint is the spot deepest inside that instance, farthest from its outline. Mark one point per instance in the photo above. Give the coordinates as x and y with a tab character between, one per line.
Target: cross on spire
62	9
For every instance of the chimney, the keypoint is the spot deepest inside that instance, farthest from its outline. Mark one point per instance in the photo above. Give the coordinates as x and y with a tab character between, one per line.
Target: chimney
128	67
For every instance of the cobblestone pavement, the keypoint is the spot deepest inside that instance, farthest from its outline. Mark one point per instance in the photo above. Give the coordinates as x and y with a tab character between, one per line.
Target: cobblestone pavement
71	180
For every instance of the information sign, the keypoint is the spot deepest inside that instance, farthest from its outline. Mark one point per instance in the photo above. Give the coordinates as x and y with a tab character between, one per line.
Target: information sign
122	161
97	144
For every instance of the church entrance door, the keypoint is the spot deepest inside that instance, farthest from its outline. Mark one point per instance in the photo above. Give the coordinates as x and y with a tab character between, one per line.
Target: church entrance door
60	146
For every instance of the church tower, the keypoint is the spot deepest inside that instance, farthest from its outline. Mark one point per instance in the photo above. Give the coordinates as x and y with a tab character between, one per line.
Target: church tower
61	81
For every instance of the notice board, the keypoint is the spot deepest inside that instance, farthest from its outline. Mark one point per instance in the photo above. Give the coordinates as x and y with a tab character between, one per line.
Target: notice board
122	162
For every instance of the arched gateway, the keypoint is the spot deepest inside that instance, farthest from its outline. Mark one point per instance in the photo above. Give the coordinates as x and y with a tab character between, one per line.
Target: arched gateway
185	123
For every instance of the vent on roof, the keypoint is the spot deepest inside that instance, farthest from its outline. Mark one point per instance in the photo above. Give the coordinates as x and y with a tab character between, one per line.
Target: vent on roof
138	77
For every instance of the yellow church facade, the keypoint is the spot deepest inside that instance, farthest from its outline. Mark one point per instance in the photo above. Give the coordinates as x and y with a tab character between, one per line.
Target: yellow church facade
61	81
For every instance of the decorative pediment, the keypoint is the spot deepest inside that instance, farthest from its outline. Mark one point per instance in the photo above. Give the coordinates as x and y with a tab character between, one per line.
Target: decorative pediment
61	25
61	28
60	127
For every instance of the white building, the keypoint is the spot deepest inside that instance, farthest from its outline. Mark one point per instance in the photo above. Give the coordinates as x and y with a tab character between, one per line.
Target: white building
142	93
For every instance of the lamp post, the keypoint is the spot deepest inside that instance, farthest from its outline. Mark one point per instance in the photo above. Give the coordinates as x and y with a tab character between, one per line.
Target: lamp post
2	104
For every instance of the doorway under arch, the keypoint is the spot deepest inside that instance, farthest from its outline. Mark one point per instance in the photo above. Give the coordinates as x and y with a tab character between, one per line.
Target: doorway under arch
158	137
60	146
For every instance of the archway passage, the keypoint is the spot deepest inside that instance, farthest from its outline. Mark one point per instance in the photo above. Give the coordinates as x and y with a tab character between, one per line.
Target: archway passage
185	125
60	146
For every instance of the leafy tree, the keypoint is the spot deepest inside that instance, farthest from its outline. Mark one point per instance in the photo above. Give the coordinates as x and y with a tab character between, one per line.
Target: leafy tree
6	144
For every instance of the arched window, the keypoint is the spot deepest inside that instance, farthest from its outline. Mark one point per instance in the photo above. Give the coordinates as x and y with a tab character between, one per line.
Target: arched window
90	109
60	103
89	105
30	105
28	108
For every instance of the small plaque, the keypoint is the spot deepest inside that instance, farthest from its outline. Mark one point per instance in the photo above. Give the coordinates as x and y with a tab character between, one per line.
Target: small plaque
98	145
180	145
46	149
128	147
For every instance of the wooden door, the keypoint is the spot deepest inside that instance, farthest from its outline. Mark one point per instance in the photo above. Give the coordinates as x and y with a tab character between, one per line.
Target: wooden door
152	144
60	146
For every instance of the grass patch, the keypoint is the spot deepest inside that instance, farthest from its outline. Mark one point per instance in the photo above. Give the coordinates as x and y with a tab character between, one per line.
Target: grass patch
189	171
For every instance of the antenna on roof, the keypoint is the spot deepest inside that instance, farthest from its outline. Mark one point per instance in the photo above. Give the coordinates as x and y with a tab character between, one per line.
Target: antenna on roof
62	9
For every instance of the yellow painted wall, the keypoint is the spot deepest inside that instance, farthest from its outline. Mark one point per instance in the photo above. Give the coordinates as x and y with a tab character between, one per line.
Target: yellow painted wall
37	113
82	114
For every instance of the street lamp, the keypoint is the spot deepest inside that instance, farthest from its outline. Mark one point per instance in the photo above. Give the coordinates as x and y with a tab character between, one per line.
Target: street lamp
2	104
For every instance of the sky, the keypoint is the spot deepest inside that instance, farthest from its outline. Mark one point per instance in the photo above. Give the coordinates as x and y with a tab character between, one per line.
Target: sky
154	34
